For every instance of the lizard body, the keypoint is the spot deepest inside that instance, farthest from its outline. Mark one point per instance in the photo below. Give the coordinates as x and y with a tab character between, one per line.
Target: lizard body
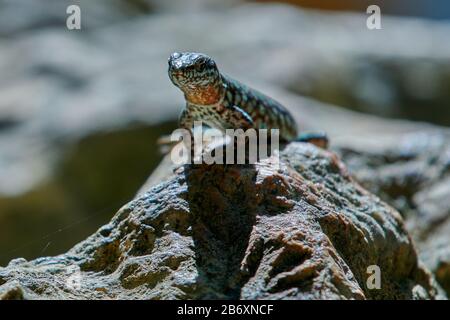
224	103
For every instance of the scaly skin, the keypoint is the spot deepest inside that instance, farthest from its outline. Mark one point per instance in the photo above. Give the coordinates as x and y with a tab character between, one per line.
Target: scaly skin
224	103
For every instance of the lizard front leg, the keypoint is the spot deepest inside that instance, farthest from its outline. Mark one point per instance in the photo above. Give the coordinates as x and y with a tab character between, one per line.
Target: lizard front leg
237	118
319	139
185	121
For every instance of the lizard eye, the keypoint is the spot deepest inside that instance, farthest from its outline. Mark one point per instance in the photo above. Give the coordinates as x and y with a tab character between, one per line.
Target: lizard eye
200	67
211	63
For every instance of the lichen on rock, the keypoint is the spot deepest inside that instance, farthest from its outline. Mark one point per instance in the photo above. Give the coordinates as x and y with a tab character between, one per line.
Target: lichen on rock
300	228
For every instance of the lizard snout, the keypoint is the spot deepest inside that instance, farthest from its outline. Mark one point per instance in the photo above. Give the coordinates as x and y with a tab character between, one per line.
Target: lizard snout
174	62
175	55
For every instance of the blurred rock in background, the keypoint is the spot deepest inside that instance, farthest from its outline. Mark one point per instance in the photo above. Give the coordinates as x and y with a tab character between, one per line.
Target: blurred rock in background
80	111
436	9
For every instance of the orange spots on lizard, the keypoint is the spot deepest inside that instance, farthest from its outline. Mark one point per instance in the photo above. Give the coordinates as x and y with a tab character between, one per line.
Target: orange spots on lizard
204	96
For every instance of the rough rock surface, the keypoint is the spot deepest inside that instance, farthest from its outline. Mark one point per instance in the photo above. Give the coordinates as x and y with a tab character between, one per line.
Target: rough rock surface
60	142
412	173
300	228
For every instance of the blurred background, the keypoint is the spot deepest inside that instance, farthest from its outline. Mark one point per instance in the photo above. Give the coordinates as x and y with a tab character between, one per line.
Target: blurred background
80	110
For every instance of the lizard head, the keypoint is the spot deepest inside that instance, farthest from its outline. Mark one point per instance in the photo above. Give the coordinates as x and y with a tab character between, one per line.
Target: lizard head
197	76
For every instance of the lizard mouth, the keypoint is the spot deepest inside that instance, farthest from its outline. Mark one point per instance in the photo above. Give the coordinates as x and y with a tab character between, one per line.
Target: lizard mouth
176	73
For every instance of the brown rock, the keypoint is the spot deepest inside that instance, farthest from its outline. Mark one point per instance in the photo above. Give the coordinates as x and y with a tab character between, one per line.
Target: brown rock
301	230
412	172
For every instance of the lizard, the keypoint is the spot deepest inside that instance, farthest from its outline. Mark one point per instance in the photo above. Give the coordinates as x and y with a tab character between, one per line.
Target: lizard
224	103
